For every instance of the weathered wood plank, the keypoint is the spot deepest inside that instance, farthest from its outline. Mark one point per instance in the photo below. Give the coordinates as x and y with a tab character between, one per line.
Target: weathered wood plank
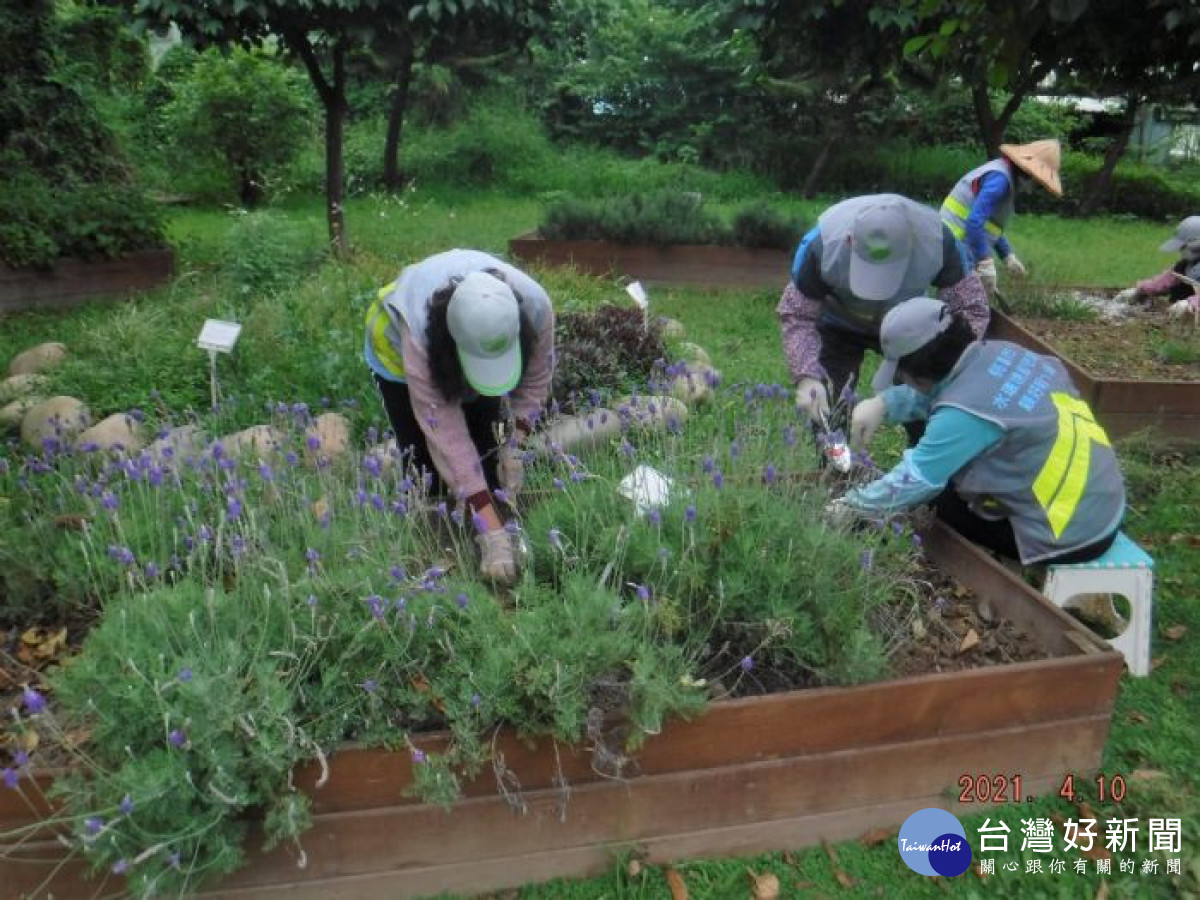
71	282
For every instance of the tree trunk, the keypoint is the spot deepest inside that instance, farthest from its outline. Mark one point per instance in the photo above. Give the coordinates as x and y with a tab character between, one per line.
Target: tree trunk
986	118
393	178
1100	184
332	92
838	130
812	181
335	125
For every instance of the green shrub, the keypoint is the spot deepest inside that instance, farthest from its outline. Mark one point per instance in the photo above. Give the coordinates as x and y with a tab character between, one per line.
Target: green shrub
64	191
666	217
266	252
762	226
247	110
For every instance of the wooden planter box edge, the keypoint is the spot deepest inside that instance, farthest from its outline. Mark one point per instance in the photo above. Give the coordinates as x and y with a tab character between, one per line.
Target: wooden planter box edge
751	775
71	281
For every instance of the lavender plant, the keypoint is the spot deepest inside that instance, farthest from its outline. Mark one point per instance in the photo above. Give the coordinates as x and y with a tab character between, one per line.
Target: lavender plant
257	610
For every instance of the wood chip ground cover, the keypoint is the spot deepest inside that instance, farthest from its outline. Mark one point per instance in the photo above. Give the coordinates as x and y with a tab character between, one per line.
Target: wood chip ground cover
1142	348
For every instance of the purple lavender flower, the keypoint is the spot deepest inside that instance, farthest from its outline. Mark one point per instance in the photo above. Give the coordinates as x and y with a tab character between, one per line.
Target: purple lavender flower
11	778
313	442
708	464
21	758
205	533
747	663
718	480
769	474
512	526
265	472
626	448
479	522
654	517
397	573
93	825
126	805
176	737
233	509
462	600
237	546
312	555
156	476
559	484
735	449
34	702
689	514
376	604
123	555
89	447
643	593
216	450
311	600
372	466
185	675
291	458
418	756
109	501
476	700
370	685
120	867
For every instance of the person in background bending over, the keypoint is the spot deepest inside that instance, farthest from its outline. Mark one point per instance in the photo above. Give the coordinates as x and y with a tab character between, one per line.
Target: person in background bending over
1185	242
452	337
864	256
980	206
1011	456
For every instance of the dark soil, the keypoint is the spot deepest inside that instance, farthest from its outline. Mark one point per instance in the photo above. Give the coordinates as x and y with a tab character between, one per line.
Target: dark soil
944	632
1147	347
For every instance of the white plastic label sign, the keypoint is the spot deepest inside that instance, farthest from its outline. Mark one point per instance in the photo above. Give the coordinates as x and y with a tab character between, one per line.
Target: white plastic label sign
218	335
635	290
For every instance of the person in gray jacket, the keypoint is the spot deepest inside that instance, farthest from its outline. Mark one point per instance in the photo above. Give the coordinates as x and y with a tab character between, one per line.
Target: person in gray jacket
1011	456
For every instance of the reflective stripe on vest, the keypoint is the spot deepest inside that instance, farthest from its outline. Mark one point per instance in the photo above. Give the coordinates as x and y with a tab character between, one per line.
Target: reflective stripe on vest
377	322
961	214
1060	484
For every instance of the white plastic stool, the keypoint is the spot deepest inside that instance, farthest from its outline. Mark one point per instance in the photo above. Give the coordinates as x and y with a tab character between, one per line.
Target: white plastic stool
1124	569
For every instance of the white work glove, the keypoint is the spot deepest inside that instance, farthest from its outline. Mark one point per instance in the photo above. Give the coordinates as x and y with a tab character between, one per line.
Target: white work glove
812	397
510	469
868	415
839	513
1015	266
1129	295
1185	307
496	560
986	270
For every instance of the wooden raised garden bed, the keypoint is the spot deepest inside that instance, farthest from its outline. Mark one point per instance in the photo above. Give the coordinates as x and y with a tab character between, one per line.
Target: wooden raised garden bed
1121	405
696	265
71	282
755	774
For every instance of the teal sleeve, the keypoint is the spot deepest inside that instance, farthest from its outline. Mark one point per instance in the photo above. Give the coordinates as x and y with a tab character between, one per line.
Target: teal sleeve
952	439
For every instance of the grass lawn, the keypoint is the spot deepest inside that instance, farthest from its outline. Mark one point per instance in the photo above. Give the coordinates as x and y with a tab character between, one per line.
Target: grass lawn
302	342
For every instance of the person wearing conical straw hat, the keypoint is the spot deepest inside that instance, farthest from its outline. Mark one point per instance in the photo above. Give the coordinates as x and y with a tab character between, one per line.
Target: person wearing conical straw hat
981	204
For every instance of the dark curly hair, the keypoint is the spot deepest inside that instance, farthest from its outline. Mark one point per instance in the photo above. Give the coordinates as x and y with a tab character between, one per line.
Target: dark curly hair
935	360
444	366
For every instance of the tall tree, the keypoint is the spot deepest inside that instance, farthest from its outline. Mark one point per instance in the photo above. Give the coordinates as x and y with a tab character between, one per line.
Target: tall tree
1148	55
321	34
831	54
1012	45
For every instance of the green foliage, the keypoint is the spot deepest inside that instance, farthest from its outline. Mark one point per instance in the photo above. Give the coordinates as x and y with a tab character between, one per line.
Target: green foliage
267	252
760	225
665	218
247	110
63	189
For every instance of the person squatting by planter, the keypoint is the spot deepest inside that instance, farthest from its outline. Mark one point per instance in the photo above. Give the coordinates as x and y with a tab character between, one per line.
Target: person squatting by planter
1011	456
1185	242
864	256
453	336
983	201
